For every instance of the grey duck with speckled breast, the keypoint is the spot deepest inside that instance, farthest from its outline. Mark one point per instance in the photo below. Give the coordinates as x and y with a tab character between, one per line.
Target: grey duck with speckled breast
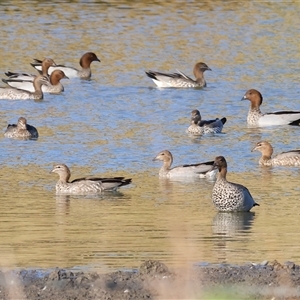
228	196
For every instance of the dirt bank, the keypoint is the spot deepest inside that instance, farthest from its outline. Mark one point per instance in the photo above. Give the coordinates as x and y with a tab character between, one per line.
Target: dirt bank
153	280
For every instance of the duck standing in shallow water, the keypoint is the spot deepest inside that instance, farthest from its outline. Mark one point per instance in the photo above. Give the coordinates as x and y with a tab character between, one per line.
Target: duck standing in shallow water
53	86
18	94
180	80
257	118
21	130
199	170
70	72
85	185
289	158
200	127
228	196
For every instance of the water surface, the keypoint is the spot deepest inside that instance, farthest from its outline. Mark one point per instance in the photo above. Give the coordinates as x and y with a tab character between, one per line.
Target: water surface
114	124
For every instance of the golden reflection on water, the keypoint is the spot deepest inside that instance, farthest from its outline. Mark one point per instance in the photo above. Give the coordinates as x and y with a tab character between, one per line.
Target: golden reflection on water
172	221
152	218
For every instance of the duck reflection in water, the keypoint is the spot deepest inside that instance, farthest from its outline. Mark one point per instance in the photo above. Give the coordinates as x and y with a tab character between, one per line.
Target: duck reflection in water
229	229
230	224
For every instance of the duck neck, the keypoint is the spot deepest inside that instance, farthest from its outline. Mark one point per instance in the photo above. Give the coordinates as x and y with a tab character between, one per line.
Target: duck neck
267	154
255	107
253	115
265	160
64	177
167	164
37	88
200	80
194	125
222	173
45	68
199	75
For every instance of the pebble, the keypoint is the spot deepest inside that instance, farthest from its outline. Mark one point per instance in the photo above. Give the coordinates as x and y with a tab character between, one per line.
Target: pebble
289	265
264	263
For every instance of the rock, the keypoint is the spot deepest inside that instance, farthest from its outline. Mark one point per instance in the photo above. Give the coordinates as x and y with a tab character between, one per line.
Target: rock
154	268
289	265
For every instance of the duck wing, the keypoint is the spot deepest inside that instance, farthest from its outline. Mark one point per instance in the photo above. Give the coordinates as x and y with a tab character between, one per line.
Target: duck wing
200	168
280	118
107	183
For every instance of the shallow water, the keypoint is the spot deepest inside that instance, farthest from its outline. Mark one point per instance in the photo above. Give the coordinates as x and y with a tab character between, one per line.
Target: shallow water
117	122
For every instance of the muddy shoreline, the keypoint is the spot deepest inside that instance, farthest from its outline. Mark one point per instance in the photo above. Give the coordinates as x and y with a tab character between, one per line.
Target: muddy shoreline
154	280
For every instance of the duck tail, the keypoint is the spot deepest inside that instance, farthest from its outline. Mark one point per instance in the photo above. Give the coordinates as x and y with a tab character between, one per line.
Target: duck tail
223	120
295	123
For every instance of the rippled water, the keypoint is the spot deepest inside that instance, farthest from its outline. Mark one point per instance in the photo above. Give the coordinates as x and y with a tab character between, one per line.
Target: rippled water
117	122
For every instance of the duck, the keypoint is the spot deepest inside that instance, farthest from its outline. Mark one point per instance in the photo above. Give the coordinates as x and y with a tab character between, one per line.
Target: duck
289	158
180	80
258	119
228	196
200	127
85	63
53	86
21	130
85	185
18	94
45	65
198	170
